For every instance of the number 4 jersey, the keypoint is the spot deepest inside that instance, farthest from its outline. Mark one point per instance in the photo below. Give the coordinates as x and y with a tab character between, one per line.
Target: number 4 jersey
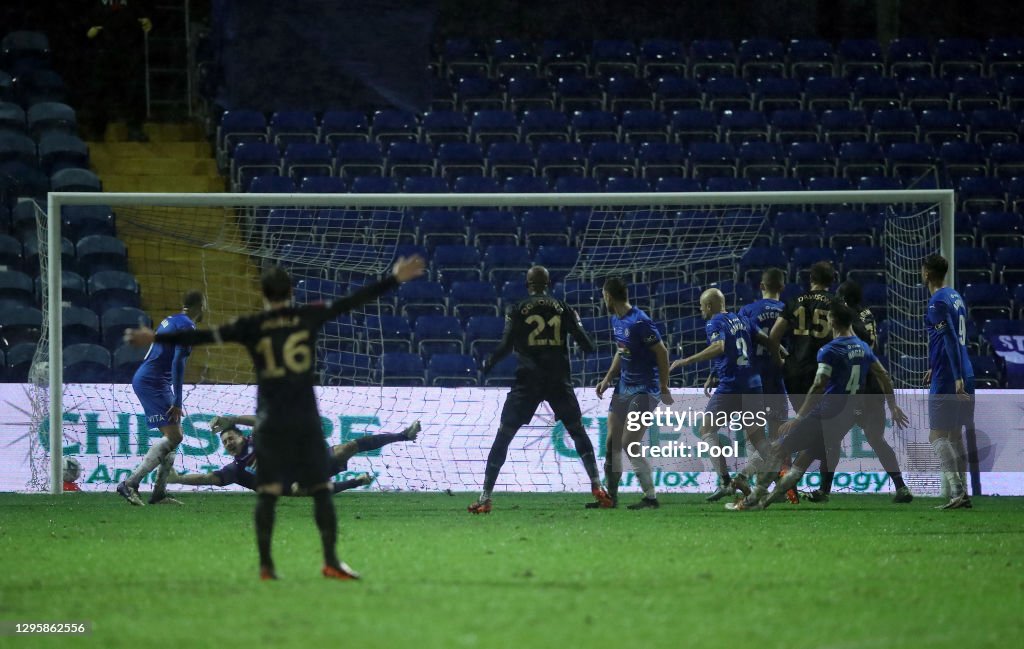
946	321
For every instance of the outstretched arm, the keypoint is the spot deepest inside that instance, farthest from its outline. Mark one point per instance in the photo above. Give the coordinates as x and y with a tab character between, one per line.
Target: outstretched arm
713	350
885	382
195	479
579	334
403	271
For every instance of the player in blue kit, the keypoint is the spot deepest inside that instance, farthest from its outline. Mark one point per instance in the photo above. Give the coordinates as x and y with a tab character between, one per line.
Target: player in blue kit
829	408
950	377
763	313
639	372
730	342
157	384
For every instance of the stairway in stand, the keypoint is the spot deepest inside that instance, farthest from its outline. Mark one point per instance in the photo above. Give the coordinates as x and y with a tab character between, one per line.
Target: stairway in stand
178	159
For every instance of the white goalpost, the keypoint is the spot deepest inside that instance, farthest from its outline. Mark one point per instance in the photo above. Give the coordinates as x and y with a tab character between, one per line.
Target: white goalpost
670	241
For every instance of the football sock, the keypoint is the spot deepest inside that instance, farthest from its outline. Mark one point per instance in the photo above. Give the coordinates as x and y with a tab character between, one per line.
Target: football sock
345	485
496	459
265	504
754	466
327	523
711	439
827	477
373	442
166	466
642	469
961	457
786	483
585	449
947	461
611	479
887	456
153	457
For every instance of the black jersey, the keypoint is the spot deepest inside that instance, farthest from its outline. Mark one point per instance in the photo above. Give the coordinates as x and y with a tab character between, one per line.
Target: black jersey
282	344
537	328
809	330
865	328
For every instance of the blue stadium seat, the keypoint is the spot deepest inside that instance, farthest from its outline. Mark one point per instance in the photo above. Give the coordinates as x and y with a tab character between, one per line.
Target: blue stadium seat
455	263
526	185
976	194
672	93
240	125
488	227
599	330
16	289
573	93
611	159
987	373
676	299
689	126
990	126
864	264
727	93
513	290
644	125
290	126
557	159
86	363
559	260
510	55
358	158
828	184
465	56
272	185
502	374
488	126
126	360
505	262
760	58
460	159
303	159
1013	92
626	185
789	126
910	57
810	58
926	94
873	183
425	185
39	85
756	260
661	159
435	334
346	368
844	125
344	126
589	126
761	159
544	127
676	184
422	298
410	159
527	92
712	159
12	117
613	57
58	150
1009	263
478	93
506	159
250	159
544	226
1007	159
31	254
577	185
476	185
401	368
987	301
743	126
1004	55
710	58
973	265
112	288
893	125
726	184
583	296
858	159
976	93
438	226
100	252
848	228
322	185
827	93
395	334
773	94
997	228
442	126
910	160
80	325
960	159
470	299
804	258
75	180
958	57
662	56
807	159
860	57
73	289
451	371
394	126
623	92
115	320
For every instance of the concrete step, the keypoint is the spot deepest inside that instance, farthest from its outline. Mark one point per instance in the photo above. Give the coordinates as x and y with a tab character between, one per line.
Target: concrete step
154	166
192	149
170	183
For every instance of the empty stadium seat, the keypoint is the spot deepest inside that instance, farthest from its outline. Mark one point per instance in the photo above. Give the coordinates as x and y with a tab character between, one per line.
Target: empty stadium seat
451	370
436	334
401	368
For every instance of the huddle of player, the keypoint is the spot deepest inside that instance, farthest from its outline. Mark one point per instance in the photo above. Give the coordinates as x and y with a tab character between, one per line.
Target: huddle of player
827	370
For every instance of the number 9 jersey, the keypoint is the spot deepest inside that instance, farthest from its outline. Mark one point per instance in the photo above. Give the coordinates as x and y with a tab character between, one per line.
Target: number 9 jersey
946	321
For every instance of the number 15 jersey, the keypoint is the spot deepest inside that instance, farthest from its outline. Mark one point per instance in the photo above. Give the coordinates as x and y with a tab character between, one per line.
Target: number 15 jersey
809	331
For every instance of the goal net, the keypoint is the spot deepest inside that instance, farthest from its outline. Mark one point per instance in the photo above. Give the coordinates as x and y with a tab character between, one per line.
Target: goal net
413	355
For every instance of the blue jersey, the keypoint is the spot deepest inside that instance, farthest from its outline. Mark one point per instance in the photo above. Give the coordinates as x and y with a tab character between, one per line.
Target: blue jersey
164	365
762	314
635	333
946	321
733	368
847	361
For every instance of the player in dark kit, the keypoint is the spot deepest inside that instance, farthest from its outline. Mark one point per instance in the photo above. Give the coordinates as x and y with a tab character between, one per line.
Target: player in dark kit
289	441
536	329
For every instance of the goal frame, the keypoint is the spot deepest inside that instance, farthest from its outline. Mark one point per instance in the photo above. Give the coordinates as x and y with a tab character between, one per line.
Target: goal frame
944	198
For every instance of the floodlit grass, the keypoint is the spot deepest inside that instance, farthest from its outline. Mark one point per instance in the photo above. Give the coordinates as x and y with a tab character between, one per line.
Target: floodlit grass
539	571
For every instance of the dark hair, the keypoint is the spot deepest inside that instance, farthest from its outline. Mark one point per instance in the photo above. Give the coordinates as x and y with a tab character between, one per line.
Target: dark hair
842	315
276	284
937	266
231	429
851	293
822	273
192	300
773	279
617	288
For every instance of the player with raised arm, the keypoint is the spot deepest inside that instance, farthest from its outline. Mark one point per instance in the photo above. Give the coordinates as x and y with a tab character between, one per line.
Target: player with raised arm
639	372
289	439
950	378
730	341
828	409
536	328
870	418
242	470
157	383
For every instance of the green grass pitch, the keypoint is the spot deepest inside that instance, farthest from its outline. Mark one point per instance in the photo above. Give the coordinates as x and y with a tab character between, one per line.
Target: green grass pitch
537	572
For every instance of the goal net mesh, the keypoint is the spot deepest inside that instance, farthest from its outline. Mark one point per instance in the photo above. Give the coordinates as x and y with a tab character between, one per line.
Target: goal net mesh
373	363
